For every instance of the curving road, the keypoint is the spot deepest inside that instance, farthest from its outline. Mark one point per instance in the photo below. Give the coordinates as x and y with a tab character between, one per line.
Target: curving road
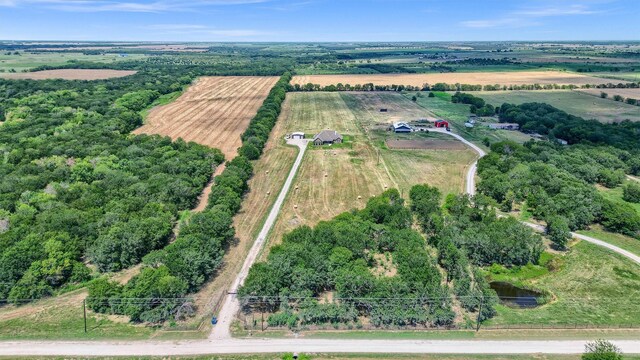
471	190
470	187
231	304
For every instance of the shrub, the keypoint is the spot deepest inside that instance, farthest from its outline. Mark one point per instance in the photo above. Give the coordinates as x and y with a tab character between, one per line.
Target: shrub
601	350
631	192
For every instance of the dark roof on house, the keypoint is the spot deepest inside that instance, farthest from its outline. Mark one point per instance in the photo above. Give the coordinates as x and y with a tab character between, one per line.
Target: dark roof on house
328	136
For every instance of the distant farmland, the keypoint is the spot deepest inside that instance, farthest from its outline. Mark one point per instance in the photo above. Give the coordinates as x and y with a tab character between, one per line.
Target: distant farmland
625	93
474	78
213	112
573	102
70	74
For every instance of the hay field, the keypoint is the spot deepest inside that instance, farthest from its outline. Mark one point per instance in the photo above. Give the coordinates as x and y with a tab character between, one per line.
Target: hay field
575	103
213	112
70	74
475	78
333	180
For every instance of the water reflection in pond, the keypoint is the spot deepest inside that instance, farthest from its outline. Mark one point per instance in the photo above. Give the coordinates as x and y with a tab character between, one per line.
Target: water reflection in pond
514	296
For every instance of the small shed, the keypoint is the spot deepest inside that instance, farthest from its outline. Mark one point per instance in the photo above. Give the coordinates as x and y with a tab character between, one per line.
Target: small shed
297	135
327	137
401	127
383	110
441	124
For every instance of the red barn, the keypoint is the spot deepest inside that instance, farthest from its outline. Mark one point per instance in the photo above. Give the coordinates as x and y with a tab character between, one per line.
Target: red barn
442	124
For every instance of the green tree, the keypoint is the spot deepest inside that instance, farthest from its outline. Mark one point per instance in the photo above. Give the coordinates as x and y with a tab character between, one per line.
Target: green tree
558	231
631	192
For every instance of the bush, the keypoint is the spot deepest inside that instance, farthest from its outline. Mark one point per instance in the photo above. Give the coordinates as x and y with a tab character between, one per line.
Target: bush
631	192
601	350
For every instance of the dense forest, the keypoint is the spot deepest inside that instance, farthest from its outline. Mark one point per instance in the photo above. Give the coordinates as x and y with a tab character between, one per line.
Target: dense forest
375	264
556	183
545	119
79	195
159	292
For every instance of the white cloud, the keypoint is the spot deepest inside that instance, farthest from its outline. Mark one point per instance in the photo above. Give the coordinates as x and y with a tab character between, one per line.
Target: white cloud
525	17
557	11
492	23
203	31
124	6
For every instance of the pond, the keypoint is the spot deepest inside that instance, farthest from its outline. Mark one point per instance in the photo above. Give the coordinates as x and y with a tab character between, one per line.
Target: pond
514	296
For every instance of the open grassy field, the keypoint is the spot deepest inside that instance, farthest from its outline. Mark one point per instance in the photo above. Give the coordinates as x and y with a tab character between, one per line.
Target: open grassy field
576	103
27	60
70	74
442	107
592	286
476	78
332	180
619	240
627	76
625	93
214	111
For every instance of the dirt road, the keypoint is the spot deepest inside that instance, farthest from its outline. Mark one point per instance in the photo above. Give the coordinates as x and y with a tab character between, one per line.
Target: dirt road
231	305
471	190
470	187
248	346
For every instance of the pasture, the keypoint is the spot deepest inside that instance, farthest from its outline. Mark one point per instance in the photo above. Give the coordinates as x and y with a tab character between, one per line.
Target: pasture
625	93
69	74
475	78
29	60
332	180
214	111
590	285
442	107
575	103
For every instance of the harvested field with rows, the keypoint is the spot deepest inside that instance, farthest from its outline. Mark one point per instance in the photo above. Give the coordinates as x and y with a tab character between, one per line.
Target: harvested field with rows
70	74
474	78
214	111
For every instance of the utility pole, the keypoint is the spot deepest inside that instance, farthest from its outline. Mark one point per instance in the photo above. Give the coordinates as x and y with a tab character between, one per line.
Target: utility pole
84	310
479	313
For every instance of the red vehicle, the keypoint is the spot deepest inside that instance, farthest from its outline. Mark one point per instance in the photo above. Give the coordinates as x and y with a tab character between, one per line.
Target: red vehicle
442	124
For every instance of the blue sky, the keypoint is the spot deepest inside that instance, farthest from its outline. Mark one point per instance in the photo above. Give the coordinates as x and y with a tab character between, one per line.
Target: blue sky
319	20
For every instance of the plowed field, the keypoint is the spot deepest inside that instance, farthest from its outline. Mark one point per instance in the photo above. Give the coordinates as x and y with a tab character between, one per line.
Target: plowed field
474	78
213	112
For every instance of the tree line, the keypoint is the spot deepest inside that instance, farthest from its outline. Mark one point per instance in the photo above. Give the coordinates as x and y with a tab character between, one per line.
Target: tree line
160	291
453	87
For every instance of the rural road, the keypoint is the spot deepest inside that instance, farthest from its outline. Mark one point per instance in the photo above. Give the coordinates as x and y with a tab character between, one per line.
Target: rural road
249	346
220	341
471	190
231	304
470	187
